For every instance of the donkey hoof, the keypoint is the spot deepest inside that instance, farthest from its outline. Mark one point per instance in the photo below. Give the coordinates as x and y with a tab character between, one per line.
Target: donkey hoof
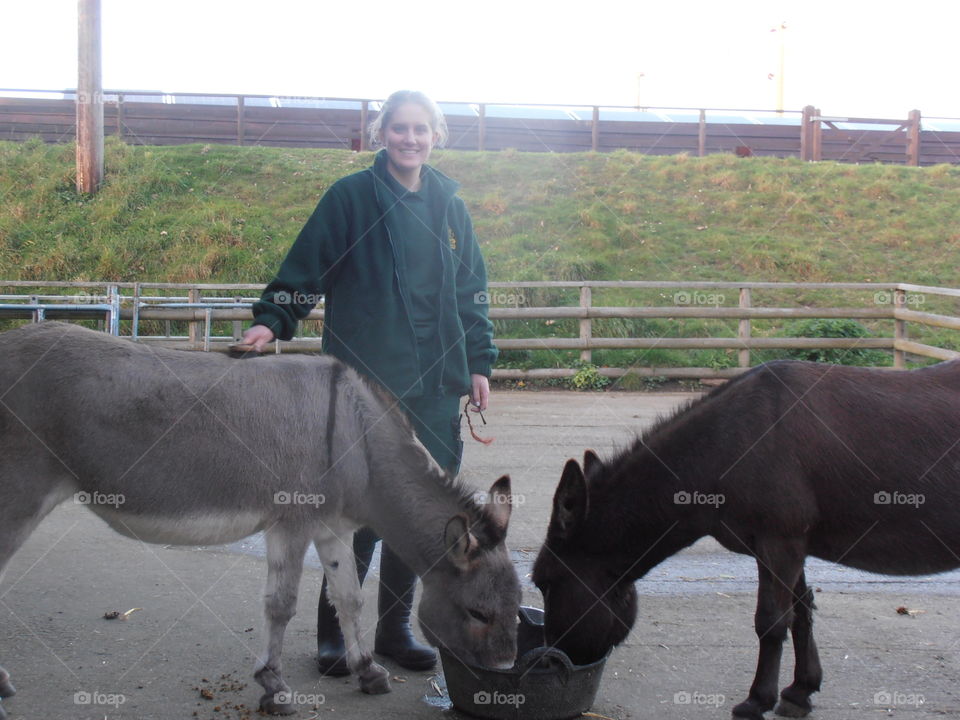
747	711
788	708
375	680
278	703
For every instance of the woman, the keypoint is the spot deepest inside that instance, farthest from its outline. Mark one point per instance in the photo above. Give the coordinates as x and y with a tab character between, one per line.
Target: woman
392	251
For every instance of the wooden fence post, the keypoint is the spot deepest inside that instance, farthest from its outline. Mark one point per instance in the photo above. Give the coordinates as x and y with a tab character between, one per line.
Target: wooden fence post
120	115
482	129
702	134
913	139
364	115
595	130
805	130
743	332
241	121
817	148
899	330
193	296
586	324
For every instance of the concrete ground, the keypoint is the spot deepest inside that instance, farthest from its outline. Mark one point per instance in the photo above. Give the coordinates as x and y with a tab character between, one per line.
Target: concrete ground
188	652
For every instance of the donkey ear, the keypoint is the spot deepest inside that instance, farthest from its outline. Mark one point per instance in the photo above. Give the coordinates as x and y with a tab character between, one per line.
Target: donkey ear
591	462
569	503
458	541
500	504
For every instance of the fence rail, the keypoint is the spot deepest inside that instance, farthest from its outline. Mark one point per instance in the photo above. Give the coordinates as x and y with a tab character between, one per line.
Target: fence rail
151	118
212	316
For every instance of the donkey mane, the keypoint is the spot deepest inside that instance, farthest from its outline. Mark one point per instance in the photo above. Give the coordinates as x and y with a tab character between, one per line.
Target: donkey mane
374	400
665	422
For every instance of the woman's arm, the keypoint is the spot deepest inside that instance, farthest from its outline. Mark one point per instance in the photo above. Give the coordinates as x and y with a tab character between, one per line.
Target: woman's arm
307	271
472	295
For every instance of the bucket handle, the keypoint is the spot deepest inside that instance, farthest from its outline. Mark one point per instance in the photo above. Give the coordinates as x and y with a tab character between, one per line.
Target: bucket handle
546	657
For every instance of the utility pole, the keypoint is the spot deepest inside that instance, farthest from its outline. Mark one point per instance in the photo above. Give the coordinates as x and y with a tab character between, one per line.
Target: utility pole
780	75
89	99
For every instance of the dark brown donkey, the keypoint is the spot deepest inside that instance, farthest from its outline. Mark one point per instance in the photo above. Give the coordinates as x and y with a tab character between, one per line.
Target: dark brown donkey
856	466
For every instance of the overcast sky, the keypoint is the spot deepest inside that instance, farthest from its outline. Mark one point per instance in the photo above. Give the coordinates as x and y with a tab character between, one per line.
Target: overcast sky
845	56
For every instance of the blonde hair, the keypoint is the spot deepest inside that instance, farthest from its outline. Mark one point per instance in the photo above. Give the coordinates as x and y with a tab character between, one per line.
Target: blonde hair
437	122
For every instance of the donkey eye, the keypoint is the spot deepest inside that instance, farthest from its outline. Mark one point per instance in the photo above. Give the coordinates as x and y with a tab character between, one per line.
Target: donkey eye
479	616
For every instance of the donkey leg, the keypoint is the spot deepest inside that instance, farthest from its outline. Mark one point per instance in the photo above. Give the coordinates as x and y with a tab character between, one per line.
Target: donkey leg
807	674
24	505
6	687
779	565
285	551
340	570
6	690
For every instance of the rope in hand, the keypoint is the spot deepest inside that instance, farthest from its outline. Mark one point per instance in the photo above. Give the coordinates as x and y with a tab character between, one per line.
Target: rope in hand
473	433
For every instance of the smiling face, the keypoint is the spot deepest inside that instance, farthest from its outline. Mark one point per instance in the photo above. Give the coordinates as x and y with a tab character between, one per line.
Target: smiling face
408	137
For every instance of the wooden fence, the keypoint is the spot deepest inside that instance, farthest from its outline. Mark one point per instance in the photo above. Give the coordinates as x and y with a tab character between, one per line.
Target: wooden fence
211	316
163	119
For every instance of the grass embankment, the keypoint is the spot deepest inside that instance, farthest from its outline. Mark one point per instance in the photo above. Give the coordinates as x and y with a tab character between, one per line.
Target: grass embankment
208	213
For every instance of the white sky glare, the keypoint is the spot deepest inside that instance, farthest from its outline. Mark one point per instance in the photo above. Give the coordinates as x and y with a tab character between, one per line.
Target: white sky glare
849	57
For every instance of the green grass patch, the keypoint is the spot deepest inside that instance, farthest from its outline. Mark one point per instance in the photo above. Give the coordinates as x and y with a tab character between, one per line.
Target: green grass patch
213	213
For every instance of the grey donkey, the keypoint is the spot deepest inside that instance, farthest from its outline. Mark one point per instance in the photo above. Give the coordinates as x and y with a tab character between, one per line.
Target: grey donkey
199	448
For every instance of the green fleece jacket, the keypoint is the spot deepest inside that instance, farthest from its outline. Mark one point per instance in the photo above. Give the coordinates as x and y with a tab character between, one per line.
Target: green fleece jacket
349	253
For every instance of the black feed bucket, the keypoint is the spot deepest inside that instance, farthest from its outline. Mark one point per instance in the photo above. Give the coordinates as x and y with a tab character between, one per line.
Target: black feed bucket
543	684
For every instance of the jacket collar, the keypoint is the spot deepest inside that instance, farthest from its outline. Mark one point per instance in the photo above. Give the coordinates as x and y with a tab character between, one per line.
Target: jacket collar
445	186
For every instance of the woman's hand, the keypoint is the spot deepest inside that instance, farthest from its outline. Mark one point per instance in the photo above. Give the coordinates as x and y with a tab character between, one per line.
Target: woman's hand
257	337
479	392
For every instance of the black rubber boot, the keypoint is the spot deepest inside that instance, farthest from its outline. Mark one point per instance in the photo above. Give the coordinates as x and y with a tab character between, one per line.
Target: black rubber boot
331	651
394	637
